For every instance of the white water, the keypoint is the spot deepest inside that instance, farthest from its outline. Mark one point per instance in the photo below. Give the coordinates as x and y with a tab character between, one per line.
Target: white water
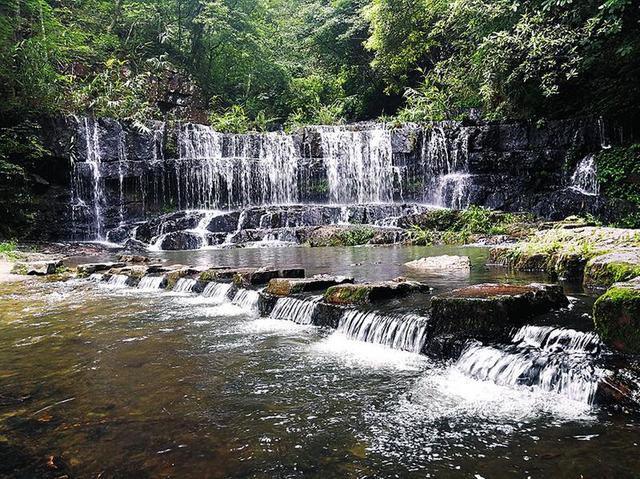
399	331
184	285
299	311
150	283
96	277
247	299
118	280
585	176
217	291
545	358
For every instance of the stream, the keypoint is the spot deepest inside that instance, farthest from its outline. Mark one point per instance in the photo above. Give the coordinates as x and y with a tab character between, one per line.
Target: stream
134	382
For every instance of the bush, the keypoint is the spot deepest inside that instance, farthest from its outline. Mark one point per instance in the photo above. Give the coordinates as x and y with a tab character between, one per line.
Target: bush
619	178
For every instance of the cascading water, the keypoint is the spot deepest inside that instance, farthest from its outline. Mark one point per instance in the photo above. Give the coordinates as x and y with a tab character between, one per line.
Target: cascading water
118	280
358	163
150	283
551	359
217	291
407	332
585	176
184	285
247	299
299	311
96	277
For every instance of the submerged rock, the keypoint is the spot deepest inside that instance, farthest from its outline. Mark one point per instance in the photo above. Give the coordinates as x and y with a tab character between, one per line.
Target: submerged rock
491	310
441	263
286	286
90	268
371	292
604	270
616	316
37	268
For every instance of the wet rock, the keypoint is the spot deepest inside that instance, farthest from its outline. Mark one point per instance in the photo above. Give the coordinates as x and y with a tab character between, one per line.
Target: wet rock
133	245
371	292
616	316
441	263
620	388
287	286
327	315
266	303
181	240
607	269
489	311
264	275
36	268
132	258
90	268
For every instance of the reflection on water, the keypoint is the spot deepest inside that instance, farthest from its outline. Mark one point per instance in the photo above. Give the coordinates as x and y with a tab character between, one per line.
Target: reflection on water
120	382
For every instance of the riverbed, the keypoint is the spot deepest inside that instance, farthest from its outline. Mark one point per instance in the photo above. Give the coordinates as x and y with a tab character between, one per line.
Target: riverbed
98	381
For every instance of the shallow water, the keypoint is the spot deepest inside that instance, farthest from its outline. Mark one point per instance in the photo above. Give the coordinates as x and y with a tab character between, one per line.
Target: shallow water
129	383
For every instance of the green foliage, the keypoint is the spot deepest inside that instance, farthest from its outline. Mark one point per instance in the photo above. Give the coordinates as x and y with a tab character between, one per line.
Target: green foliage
619	178
8	250
420	236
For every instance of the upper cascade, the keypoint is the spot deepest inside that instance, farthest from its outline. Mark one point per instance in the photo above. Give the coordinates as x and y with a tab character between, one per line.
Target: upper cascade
124	173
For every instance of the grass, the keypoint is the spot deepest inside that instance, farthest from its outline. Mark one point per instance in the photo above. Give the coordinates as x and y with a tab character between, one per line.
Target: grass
8	250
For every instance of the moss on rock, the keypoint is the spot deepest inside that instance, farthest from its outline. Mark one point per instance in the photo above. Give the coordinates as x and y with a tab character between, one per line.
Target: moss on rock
616	317
605	270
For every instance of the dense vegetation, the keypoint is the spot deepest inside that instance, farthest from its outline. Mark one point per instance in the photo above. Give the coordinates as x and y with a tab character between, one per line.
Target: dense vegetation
254	64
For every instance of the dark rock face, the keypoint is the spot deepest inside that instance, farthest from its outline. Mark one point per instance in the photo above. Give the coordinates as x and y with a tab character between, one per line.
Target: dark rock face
122	174
489	311
181	240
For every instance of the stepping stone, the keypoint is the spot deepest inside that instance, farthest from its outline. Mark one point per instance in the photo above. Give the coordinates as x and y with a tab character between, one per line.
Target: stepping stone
289	286
371	292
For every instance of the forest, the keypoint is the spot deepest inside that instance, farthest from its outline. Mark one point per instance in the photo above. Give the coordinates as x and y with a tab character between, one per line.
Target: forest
260	65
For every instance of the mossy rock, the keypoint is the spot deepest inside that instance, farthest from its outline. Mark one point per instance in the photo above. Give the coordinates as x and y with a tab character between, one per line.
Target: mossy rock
605	270
345	294
289	286
616	316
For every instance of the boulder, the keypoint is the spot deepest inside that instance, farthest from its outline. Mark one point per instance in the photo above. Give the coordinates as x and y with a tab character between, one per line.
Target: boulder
616	316
371	292
289	286
489	311
440	264
38	268
607	269
181	240
135	246
90	268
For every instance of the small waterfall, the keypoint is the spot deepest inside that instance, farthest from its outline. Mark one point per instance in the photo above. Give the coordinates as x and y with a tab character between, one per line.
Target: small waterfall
452	190
299	311
585	176
97	277
118	280
217	291
550	359
150	282
184	285
407	332
246	299
359	164
558	339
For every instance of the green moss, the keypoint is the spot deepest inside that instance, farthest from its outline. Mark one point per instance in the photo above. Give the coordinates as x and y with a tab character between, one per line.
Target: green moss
616	317
208	276
347	294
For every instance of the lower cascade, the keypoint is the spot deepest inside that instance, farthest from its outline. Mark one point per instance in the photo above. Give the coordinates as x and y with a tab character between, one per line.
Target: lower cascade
550	359
118	280
407	332
217	291
299	311
246	299
150	282
184	285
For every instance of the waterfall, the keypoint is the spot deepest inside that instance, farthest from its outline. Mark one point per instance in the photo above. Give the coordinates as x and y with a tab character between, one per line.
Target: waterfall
150	283
399	331
184	285
217	291
550	359
358	163
247	299
585	176
297	310
444	164
118	280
